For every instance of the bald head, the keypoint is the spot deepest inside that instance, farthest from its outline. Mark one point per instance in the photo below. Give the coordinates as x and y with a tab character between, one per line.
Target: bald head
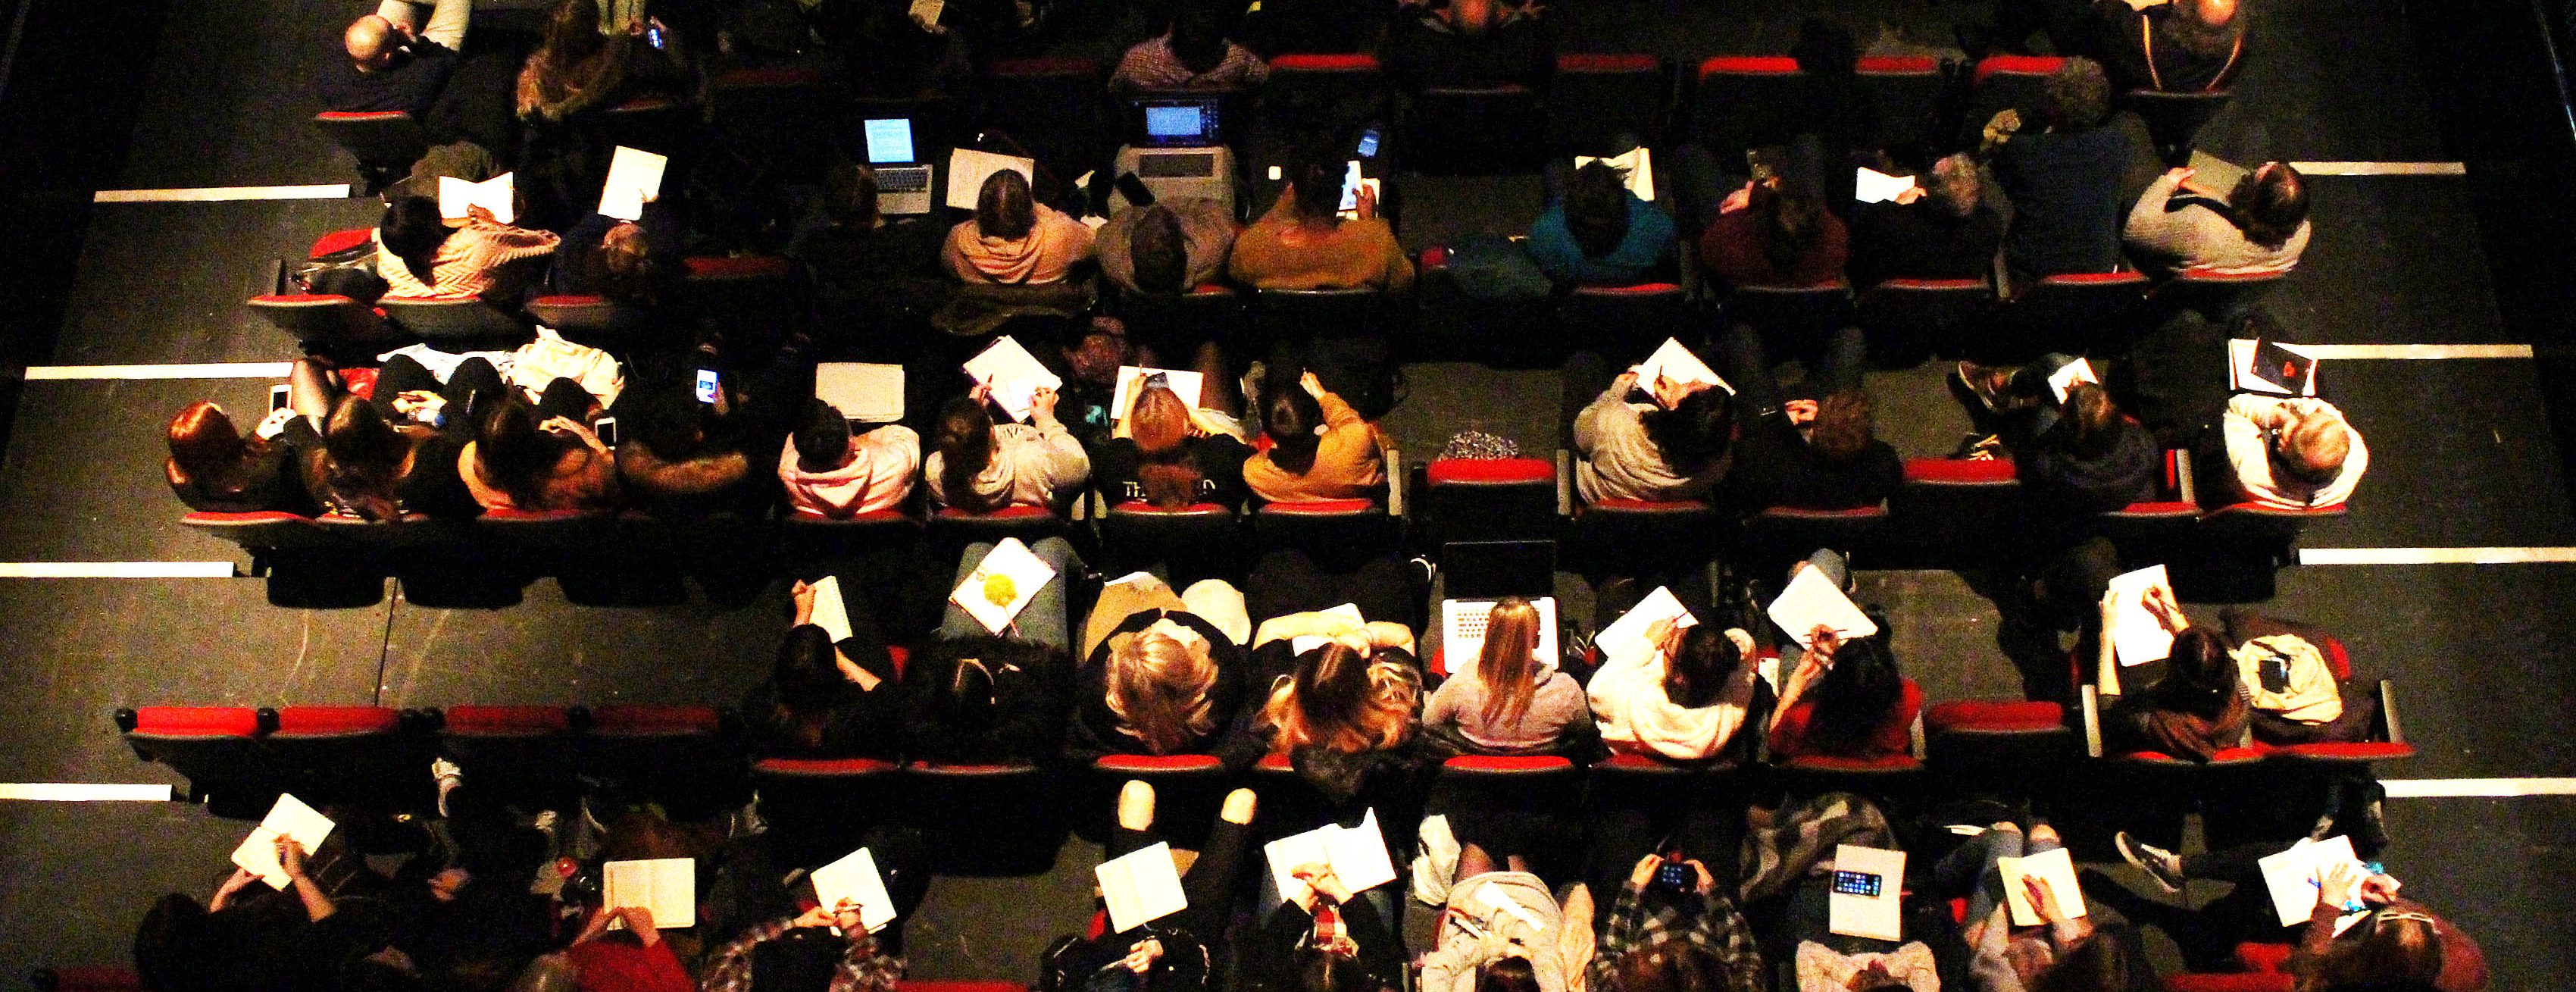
1471	17
371	41
2313	448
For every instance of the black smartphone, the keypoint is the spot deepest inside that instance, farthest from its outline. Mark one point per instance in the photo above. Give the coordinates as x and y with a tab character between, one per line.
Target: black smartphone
1368	143
1134	189
1856	883
606	428
1676	876
706	385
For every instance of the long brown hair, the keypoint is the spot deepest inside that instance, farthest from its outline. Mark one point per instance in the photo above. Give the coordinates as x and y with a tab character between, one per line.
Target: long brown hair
1842	430
363	458
1342	701
207	451
1508	665
965	448
1158	688
1160	424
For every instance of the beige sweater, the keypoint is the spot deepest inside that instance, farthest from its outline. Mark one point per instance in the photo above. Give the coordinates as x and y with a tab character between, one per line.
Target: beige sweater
1032	463
1621	462
1054	245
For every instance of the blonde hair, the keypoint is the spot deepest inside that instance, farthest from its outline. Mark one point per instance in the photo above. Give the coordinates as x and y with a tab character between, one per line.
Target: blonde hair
1158	688
2313	448
1508	665
1342	701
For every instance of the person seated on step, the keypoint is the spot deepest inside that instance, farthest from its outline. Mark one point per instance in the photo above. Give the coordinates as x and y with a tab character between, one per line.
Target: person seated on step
979	466
2257	228
2292	453
831	472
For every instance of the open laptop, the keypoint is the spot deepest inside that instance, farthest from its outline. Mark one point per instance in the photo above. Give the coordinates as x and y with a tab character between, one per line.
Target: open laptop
1179	122
866	394
1477	574
903	183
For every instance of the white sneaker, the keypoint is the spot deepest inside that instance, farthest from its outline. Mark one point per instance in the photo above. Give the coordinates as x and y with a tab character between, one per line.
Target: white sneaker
449	776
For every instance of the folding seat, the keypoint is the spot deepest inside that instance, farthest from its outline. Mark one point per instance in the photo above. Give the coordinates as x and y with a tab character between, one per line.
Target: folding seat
1796	531
2006	81
1992	740
450	318
1530	772
397	540
1136	534
1740	101
1473	130
1625	319
1296	314
654	124
1791	313
87	978
1173	324
261	533
781	119
2239	527
1634	531
2165	520
2077	311
1642	772
321	318
2385	742
733	283
987	813
921	985
821	793
1864	775
1319	93
1334	526
514	750
1920	317
2230	981
1596	99
385	143
805	537
953	527
1465	499
539	539
2222	297
324	752
215	747
583	316
1053	107
1908	92
1958	505
2174	118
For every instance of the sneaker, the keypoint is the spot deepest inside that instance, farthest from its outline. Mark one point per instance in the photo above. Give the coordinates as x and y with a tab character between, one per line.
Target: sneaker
448	776
2161	865
1985	383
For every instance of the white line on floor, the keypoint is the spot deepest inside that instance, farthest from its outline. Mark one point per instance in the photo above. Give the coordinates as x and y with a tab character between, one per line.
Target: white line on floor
185	370
325	191
2381	168
2415	788
116	570
84	792
2432	556
2417	351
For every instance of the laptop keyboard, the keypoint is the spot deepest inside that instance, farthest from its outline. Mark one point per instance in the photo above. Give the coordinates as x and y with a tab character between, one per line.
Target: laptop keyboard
911	180
1175	166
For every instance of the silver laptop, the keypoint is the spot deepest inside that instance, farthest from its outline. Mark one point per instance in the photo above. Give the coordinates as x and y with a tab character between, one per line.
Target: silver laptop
864	393
1462	631
903	184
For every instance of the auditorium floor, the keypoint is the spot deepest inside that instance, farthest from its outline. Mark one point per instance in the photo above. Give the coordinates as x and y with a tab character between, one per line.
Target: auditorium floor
2463	455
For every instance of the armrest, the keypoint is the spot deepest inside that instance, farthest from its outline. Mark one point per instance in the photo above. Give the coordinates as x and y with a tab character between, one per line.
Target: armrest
1395	482
1917	731
2185	489
2092	721
1564	483
2396	732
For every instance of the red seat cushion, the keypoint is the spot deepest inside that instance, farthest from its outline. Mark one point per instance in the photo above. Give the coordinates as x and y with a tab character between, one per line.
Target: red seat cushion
2263	957
303	301
322	721
1519	764
1005	513
568	301
823	767
2159	508
94	978
2092	279
1274	763
1322	507
2225	756
2338	660
507	721
1640	289
1935	285
1961	471
2205	275
338	241
1605	62
1812	513
2235	981
1898	64
969	771
901	656
2038	65
808	518
1158	763
913	985
196	721
1449	471
1319	62
208	518
1630	761
1748	65
1053	65
647	718
736	267
1827	763
1142	508
1980	716
1651	506
2343	750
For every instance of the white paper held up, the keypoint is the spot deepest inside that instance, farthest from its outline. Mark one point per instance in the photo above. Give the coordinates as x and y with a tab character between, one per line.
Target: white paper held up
2137	637
1140	887
831	612
862	391
455	196
2068	375
634	179
1636	169
1626	637
289	817
2057	868
1012	374
855	878
1002	584
1673	363
1131	379
667	887
1812	601
1873	186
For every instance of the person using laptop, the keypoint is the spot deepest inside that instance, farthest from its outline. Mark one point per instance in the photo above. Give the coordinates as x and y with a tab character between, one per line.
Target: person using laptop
1511	701
1194	55
1303	242
872	273
1013	239
830	472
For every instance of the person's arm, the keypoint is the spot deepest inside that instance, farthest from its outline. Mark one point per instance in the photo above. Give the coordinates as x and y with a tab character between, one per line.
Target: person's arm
1337	414
1811	667
861	968
1442	709
1399	267
729	968
241	877
1066	465
1587	424
448	20
317	903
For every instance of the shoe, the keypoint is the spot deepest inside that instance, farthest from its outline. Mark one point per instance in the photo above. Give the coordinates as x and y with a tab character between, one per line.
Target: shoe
2162	866
1986	384
449	776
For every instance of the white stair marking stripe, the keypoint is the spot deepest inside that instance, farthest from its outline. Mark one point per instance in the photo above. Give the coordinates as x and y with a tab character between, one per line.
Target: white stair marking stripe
2417	788
2433	556
2417	351
116	570
85	792
208	194
2381	168
182	370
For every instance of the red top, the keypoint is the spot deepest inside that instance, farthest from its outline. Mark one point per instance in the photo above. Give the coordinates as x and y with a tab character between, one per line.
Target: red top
621	964
1894	736
1732	247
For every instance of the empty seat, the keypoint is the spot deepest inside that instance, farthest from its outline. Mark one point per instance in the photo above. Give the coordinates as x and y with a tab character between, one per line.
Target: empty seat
1597	99
1633	531
1525	771
214	747
814	537
385	143
1139	534
515	750
1287	314
1744	100
1469	499
1997	741
1159	768
1053	107
1327	526
1322	93
1621	319
780	118
2386	739
952	526
656	124
1174	324
577	315
1791	313
1958	504
1454	130
1797	531
2254	526
1920	317
1908	92
87	978
448	318
2165	519
2076	312
332	751
541	537
687	754
320	318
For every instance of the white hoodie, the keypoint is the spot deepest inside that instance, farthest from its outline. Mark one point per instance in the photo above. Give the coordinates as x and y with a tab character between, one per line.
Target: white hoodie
1629	705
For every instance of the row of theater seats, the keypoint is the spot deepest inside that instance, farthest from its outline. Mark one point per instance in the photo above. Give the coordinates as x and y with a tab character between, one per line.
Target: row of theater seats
116	978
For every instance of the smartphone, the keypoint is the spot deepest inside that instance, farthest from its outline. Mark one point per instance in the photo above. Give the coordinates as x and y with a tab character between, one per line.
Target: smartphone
706	385
1856	883
606	428
278	396
653	35
1368	143
1676	876
1134	188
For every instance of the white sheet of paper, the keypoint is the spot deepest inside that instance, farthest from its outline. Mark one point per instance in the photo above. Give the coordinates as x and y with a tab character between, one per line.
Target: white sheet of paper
2241	374
861	391
1676	363
2137	637
289	817
1352	184
1636	170
1186	385
1309	642
1878	917
831	612
2291	875
968	168
1013	375
1810	601
1495	898
1011	568
634	179
455	195
855	878
2068	375
666	886
1351	610
1873	186
1626	637
1459	650
1357	855
2057	868
1140	887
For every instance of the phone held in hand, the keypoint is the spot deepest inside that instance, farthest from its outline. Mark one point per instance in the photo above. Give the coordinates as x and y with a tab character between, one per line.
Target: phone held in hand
706	385
1676	875
606	430
1368	143
278	396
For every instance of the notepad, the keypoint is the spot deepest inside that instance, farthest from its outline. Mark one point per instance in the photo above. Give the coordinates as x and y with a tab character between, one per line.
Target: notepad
1349	610
1865	901
1140	887
1186	385
1636	170
862	391
831	612
666	887
1626	637
1002	584
289	817
2265	366
1812	601
2292	877
1674	363
1873	186
855	878
456	196
2057	868
634	179
2137	637
2068	375
968	168
1357	855
1013	375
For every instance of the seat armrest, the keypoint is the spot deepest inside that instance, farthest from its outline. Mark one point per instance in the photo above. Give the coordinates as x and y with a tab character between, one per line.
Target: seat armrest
1564	483
2396	732
1395	482
2092	721
2185	488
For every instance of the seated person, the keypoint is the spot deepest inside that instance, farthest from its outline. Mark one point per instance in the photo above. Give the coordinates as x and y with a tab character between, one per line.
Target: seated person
2292	453
1342	712
1683	699
2260	226
975	697
1818	454
2182	46
634	958
830	472
1600	234
1173	456
1303	243
2006	956
1194	55
1660	939
1510	702
681	457
394	63
1673	448
574	67
1783	236
1168	246
213	468
358	468
2079	457
826	699
1174	952
2400	943
980	466
533	458
435	419
466	261
1164	673
868	269
631	262
1321	938
1468	43
795	953
1013	239
1842	699
1302	466
1502	928
2063	175
2195	710
1948	231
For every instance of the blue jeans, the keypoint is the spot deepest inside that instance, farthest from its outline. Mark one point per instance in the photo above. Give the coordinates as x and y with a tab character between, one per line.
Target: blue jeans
1043	621
1972	868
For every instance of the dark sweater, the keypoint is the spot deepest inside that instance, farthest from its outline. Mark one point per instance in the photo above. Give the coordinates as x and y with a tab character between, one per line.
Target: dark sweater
852	723
1923	240
1031	692
1114	466
1095	729
2065	190
410	85
1774	466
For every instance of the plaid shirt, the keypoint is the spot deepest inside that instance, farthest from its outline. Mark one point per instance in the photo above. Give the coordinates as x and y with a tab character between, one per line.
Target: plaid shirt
1710	921
861	969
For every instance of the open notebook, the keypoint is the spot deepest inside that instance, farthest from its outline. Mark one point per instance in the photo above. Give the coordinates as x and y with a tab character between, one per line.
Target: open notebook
863	392
290	817
1140	887
668	887
634	179
1002	584
855	878
2057	868
456	196
1675	363
1013	375
1357	855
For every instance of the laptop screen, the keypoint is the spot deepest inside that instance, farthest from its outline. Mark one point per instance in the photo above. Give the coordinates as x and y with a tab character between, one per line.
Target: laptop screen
889	141
1180	122
1492	569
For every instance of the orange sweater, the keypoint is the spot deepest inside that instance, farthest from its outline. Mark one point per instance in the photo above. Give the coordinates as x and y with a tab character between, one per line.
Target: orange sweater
1346	462
1277	253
